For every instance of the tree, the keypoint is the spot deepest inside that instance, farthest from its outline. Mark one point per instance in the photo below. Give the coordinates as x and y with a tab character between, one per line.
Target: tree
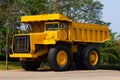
110	51
2	37
79	10
8	16
32	7
82	10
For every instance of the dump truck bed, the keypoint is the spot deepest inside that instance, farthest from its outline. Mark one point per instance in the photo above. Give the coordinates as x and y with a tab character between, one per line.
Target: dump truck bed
86	32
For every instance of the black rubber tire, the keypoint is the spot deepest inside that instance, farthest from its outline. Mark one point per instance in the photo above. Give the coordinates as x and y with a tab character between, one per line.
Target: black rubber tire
78	58
30	65
86	54
52	56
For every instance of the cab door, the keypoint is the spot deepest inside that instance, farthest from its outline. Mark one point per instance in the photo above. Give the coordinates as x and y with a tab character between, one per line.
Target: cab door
63	33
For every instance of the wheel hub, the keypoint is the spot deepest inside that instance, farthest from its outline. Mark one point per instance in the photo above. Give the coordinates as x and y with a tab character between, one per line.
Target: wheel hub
62	58
93	57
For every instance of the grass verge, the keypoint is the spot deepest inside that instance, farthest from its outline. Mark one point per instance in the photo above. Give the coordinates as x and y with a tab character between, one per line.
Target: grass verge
11	65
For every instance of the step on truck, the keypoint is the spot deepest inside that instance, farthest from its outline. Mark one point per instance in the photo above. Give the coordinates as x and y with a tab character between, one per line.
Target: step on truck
60	41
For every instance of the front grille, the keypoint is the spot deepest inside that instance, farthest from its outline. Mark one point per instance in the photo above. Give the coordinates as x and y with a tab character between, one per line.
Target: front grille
21	44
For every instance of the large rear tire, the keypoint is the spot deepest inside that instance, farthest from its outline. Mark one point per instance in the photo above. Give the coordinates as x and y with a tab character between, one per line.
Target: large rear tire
59	58
91	57
30	65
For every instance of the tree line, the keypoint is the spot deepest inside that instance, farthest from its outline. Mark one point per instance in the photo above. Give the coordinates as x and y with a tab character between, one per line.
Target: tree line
89	11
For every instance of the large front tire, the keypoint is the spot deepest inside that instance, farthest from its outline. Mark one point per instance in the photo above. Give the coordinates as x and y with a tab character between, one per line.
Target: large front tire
59	58
30	65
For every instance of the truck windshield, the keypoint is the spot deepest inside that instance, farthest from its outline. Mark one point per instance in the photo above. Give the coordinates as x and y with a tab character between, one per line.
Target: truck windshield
51	26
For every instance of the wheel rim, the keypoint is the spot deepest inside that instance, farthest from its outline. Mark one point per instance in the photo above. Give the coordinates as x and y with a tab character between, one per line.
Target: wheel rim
62	58
93	57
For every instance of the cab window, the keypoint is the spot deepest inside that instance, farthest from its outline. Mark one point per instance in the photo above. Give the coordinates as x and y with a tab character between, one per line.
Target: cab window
52	26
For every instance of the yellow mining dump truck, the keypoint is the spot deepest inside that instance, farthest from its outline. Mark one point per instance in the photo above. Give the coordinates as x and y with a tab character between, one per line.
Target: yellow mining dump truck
60	41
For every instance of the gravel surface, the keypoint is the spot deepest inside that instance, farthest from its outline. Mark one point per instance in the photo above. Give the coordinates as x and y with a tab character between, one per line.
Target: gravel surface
66	75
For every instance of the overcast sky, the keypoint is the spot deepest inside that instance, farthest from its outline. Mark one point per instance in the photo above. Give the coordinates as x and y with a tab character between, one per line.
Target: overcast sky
111	13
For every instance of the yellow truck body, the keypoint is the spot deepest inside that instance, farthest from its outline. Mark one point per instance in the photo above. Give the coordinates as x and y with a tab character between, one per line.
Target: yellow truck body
53	31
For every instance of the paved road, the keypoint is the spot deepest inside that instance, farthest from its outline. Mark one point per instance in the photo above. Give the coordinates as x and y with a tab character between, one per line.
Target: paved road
67	75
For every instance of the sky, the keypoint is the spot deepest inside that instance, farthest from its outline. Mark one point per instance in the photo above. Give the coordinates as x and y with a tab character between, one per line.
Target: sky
111	13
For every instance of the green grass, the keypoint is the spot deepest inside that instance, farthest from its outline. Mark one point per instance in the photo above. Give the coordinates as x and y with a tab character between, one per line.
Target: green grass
11	65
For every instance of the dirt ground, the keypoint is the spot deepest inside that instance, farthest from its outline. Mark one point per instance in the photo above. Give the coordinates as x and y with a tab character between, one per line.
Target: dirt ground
66	75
